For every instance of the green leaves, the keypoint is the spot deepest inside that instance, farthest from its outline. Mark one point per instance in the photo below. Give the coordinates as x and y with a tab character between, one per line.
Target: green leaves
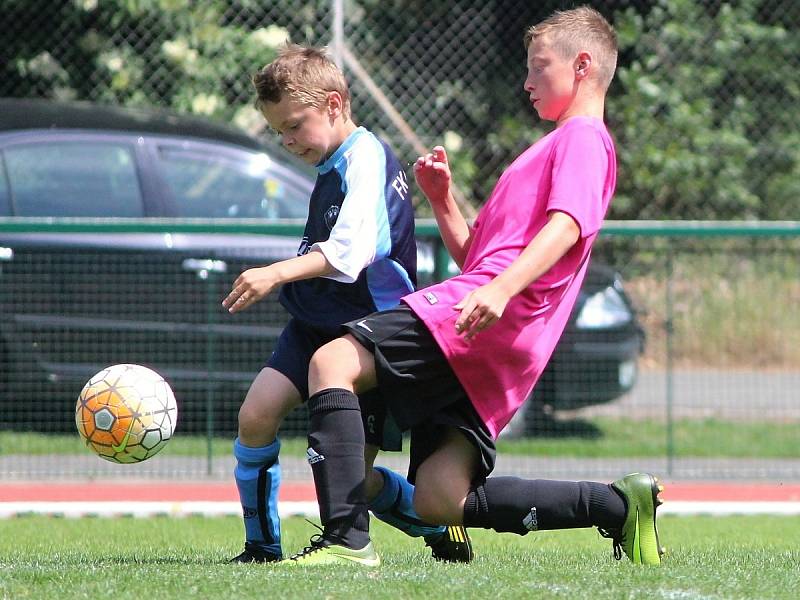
703	107
698	111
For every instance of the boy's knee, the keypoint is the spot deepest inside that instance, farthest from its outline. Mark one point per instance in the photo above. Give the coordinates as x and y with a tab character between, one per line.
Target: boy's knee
427	506
321	358
440	498
258	421
322	370
421	504
435	506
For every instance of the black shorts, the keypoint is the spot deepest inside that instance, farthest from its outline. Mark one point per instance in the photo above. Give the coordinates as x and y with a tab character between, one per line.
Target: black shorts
416	381
291	357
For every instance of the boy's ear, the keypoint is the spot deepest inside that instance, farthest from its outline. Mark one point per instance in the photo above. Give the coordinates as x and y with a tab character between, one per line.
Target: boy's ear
583	62
335	104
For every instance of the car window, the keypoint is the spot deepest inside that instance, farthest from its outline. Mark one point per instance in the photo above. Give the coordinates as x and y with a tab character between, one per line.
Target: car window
233	185
73	179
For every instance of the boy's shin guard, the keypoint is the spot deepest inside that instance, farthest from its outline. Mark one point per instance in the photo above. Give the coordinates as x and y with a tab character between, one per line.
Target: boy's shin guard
394	505
258	478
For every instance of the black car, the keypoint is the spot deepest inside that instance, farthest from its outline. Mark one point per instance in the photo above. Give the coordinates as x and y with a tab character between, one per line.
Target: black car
595	360
73	303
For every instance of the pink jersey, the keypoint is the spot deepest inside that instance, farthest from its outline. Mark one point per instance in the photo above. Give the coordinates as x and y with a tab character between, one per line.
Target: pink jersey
572	170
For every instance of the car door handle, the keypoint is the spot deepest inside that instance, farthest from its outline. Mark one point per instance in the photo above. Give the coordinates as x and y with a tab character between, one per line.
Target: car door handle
6	253
203	266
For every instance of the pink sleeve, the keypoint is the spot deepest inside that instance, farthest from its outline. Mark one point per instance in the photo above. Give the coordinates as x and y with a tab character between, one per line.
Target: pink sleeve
580	169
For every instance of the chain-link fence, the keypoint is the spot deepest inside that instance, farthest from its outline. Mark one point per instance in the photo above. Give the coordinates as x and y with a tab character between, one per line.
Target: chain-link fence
683	354
702	383
703	106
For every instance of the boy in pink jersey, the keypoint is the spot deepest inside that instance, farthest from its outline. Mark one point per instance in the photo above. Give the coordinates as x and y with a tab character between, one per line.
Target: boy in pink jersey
460	357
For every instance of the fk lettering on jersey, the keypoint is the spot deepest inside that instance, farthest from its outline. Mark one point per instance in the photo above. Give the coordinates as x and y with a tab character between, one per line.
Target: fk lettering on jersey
400	184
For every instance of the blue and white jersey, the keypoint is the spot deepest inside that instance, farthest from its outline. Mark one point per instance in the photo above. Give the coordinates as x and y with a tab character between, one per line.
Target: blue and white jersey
361	218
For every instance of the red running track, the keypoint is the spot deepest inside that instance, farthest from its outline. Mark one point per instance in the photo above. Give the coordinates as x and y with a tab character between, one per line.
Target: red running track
144	491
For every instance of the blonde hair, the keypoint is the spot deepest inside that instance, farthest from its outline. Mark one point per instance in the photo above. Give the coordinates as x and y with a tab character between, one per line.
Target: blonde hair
303	73
580	29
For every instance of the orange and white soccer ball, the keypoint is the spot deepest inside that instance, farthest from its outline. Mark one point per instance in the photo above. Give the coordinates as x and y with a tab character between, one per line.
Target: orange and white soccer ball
126	413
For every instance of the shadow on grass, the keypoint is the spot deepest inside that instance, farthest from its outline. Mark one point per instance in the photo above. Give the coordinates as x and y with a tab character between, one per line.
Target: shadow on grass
546	426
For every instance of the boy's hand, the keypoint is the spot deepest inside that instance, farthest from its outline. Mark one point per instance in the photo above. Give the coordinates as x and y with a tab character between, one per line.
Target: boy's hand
251	286
481	308
432	173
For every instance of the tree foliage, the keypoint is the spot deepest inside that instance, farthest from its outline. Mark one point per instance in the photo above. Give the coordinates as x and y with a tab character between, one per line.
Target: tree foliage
701	114
703	106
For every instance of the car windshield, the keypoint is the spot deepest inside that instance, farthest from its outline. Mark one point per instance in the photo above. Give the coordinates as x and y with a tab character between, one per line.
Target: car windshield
232	184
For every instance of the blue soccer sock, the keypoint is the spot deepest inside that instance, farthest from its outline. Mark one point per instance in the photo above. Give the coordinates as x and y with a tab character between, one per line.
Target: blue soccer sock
258	477
394	505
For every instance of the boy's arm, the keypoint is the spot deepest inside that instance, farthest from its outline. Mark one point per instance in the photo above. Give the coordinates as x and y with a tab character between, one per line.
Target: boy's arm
253	284
483	306
367	222
432	173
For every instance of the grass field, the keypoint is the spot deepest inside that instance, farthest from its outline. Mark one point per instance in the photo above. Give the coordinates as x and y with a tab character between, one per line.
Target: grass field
163	558
609	438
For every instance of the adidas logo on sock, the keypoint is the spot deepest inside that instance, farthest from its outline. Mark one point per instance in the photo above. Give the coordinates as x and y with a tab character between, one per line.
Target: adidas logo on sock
531	522
313	456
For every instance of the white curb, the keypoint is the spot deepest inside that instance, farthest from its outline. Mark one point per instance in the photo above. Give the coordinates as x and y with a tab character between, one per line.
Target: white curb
310	509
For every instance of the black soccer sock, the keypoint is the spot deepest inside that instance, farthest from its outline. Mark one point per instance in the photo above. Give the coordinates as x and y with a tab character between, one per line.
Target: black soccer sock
519	505
336	455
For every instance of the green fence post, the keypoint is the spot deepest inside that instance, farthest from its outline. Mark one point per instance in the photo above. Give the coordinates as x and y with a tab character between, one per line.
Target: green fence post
210	367
669	328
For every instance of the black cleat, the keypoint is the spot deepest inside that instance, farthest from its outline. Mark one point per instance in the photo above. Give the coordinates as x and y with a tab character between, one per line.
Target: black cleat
254	554
453	545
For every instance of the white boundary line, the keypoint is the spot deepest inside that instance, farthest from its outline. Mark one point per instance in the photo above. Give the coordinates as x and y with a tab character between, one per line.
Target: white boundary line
145	509
722	508
310	509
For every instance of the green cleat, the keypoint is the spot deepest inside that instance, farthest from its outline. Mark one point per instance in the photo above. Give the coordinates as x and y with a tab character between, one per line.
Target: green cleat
638	537
453	545
322	553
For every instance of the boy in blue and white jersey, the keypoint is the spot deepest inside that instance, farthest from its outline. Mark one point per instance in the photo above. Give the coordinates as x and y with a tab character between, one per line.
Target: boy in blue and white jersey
374	228
358	255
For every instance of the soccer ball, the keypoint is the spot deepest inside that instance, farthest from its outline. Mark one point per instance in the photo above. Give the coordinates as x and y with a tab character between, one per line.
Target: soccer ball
126	413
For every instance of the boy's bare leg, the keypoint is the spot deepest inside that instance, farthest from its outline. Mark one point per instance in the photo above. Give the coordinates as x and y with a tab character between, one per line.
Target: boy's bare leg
346	367
342	364
447	492
374	480
444	480
270	398
391	499
258	473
